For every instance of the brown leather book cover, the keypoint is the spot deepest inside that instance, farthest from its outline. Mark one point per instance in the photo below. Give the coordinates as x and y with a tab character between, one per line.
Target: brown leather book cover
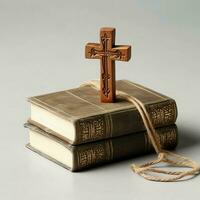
108	150
94	120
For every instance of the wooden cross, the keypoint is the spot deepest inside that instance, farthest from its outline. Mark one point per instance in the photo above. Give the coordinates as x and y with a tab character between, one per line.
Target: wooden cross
107	52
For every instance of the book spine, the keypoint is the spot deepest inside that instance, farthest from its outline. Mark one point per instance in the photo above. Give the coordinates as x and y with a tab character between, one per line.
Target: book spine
98	153
123	122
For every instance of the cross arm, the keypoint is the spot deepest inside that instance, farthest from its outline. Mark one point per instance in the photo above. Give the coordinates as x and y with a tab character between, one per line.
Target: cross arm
124	52
91	50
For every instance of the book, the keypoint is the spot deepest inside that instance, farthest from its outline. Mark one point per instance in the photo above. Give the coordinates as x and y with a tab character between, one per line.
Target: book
80	157
77	115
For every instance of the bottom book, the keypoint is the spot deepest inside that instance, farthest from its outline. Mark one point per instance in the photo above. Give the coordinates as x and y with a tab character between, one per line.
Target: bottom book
76	158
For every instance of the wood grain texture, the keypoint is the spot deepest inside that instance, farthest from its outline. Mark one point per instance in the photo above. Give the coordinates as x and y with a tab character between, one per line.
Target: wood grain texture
107	52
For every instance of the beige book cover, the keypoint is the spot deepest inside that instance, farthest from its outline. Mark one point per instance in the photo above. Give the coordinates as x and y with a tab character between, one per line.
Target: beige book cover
79	157
77	115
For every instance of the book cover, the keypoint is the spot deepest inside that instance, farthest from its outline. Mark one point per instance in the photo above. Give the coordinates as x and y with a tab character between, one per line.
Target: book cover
76	158
77	115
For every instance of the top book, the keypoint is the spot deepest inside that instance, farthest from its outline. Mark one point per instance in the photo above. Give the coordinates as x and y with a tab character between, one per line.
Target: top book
77	115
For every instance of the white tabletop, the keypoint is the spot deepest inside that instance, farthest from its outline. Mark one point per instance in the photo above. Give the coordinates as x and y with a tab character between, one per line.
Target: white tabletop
42	50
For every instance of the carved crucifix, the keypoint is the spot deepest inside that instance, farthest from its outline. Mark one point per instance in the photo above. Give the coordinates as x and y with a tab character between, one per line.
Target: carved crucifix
107	52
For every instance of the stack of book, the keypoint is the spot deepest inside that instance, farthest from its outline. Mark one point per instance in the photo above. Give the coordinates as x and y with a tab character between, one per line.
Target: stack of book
75	130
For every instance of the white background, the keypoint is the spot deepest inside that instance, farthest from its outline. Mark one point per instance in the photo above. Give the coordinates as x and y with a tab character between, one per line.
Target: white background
42	50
